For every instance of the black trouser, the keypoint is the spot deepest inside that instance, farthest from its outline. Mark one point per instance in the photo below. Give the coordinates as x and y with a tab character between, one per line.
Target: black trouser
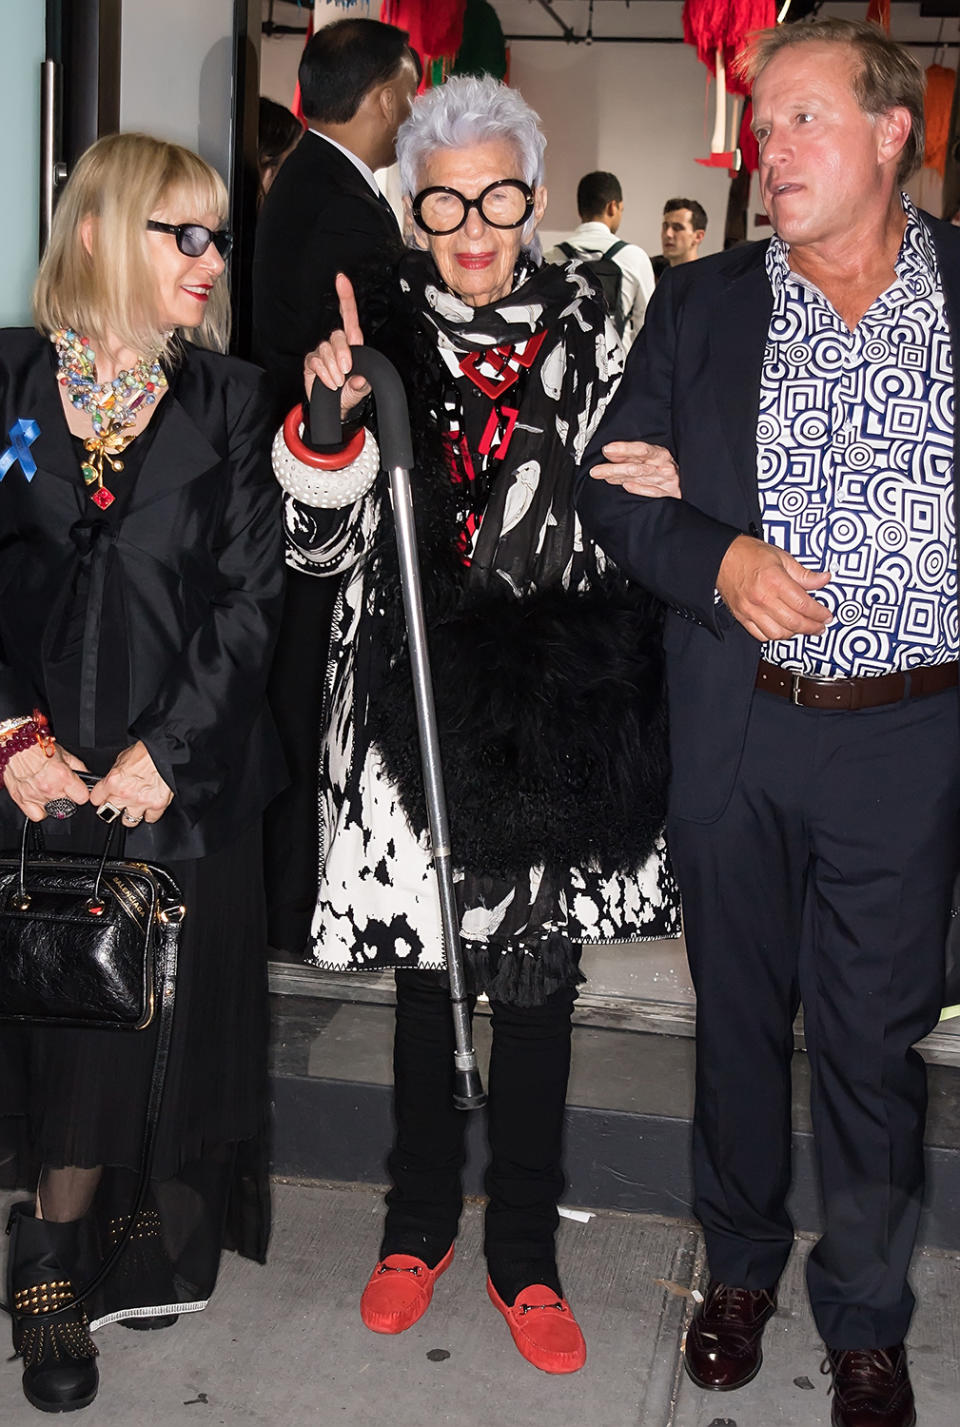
826	880
291	850
527	1087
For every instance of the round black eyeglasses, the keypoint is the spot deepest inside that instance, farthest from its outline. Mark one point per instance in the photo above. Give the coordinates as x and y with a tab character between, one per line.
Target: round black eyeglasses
507	203
193	239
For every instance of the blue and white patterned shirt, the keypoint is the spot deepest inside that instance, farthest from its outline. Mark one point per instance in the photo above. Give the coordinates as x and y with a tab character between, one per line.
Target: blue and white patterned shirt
855	464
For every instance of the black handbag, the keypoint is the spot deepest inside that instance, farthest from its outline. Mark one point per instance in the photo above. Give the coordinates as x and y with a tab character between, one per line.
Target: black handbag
92	942
79	936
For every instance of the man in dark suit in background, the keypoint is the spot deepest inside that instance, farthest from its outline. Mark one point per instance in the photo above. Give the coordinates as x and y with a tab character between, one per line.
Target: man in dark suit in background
324	214
806	388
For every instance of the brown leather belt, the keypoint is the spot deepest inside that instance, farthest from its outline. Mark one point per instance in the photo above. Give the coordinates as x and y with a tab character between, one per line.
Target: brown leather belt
869	691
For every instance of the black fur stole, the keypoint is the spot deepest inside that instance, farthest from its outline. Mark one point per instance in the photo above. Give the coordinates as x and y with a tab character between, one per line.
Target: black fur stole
552	733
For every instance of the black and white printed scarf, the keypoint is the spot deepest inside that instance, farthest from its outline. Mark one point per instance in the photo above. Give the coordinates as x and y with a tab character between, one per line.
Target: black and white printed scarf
526	380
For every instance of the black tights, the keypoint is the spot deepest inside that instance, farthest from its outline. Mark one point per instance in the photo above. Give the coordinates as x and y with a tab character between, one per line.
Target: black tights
529	1067
65	1195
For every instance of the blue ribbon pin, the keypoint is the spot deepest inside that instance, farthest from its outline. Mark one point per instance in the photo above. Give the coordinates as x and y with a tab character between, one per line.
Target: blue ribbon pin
22	436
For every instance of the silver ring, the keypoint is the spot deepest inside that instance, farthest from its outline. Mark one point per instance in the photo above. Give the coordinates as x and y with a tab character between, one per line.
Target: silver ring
132	821
60	808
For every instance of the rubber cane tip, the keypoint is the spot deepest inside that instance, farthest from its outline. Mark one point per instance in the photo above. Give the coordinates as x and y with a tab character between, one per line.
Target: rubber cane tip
468	1092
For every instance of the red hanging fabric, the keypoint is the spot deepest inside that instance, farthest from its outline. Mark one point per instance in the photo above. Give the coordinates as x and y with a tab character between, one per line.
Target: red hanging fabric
435	28
749	149
878	11
711	25
937	106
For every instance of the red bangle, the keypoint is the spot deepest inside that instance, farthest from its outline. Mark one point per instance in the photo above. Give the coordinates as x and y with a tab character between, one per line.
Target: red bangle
330	461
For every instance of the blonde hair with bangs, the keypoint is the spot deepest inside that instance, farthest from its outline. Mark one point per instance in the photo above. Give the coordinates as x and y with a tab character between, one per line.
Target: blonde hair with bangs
120	182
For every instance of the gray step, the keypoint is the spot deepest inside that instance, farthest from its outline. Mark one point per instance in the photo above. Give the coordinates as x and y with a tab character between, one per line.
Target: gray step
628	1118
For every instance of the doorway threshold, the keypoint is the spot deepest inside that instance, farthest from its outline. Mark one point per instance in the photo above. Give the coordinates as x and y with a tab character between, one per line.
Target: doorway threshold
642	987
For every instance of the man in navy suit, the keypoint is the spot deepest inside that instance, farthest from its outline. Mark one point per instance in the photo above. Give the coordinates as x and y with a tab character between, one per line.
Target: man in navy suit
806	388
324	214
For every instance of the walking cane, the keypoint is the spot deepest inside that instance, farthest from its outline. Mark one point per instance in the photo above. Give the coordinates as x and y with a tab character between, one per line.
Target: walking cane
396	458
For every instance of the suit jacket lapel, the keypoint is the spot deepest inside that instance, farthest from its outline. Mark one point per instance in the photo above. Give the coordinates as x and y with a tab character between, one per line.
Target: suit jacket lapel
946	241
53	450
738	338
180	452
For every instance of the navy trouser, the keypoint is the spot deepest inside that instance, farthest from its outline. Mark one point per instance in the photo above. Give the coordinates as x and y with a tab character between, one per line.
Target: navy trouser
526	1095
826	881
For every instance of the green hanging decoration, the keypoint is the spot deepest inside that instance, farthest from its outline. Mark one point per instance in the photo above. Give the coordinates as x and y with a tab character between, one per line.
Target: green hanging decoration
483	49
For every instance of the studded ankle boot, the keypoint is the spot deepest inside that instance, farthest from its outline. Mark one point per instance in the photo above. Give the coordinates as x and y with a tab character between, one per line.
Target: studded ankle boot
144	1273
59	1358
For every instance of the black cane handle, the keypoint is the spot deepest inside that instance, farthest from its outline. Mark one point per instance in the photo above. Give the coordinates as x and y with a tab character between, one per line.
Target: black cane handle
393	420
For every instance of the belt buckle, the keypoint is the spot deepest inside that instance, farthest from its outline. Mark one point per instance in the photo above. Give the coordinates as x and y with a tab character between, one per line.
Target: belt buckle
795	690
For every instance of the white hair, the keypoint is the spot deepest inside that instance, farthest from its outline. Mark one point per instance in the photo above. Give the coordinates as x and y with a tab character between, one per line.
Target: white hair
470	110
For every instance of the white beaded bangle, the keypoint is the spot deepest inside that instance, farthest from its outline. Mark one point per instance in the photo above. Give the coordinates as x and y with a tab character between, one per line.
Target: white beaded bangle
326	490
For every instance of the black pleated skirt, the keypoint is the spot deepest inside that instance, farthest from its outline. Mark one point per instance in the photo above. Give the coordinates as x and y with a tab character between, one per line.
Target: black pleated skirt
70	1097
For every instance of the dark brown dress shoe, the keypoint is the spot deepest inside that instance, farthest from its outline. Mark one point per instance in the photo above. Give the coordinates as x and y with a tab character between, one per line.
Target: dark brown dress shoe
722	1350
871	1387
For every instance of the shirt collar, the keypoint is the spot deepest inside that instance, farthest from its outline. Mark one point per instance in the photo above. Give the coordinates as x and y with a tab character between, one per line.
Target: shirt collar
358	163
593	234
918	273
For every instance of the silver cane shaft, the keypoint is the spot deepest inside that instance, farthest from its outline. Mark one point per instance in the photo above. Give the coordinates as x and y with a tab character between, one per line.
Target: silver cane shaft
468	1091
397	451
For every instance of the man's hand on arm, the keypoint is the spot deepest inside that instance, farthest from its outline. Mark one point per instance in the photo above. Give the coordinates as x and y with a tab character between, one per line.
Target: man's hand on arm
768	591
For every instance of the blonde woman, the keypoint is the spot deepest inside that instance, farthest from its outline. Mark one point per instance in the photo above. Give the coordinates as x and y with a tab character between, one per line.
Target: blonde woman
139	595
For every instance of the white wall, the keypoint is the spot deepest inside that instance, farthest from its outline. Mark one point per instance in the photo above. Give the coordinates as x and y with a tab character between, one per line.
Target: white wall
637	111
176	77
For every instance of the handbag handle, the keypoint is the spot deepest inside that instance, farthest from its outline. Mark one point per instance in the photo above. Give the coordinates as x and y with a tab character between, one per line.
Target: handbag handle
33	839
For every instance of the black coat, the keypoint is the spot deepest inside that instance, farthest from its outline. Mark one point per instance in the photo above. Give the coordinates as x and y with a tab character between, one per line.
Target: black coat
200	556
692	384
319	218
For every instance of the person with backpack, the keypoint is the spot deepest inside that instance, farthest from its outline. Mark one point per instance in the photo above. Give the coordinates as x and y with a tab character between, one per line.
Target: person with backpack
623	270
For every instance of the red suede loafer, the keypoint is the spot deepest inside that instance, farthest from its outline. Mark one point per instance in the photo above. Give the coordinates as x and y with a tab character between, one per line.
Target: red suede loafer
399	1292
543	1328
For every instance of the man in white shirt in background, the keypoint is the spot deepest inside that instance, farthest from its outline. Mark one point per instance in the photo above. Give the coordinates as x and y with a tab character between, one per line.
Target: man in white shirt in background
600	205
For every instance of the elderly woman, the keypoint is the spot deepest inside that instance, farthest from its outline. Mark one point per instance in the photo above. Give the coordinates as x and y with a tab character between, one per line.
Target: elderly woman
142	576
547	675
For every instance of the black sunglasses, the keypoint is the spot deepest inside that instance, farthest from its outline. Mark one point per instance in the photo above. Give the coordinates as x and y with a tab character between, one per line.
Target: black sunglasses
505	203
193	239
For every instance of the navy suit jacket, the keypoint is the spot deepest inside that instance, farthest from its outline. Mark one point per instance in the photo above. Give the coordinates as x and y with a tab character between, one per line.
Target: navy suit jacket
692	384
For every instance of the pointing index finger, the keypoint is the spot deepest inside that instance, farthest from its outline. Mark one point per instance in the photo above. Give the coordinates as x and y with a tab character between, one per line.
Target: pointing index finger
349	316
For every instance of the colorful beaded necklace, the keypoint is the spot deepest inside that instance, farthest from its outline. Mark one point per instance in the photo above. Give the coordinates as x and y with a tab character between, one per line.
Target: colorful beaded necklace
111	406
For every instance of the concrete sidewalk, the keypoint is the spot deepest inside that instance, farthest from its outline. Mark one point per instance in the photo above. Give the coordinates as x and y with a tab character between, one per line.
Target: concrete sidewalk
284	1344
